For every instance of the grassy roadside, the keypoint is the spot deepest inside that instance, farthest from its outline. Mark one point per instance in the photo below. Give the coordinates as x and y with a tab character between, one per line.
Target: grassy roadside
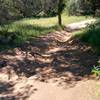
36	26
28	27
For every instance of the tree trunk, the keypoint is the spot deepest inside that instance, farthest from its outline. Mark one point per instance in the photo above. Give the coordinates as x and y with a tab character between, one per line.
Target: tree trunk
94	7
59	12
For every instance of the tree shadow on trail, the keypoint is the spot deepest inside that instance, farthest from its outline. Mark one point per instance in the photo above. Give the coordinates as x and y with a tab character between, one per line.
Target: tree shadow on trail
6	88
51	61
7	92
73	60
20	33
47	59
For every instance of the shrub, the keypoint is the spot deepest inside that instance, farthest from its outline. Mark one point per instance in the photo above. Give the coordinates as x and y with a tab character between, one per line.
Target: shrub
92	36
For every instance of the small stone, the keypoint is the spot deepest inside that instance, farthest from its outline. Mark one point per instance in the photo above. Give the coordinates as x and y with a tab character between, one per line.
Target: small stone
35	89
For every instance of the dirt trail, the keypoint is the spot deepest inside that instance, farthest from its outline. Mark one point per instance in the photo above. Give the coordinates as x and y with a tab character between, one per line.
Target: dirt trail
84	90
50	67
79	25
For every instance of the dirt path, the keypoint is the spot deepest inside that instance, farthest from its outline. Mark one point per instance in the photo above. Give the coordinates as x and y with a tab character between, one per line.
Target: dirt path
51	67
84	90
79	25
31	89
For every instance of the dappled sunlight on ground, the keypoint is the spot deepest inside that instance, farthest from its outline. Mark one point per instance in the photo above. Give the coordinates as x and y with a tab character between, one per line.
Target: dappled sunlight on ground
46	59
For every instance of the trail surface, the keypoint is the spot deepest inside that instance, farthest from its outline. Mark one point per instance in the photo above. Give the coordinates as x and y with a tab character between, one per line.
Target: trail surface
50	67
79	25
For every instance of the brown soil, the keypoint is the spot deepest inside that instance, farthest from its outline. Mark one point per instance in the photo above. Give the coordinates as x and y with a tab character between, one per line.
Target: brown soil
29	71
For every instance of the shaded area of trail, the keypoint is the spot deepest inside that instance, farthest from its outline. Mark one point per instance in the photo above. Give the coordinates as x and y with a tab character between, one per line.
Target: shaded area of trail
55	58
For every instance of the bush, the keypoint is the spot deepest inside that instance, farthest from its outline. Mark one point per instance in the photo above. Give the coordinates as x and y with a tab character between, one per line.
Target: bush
7	37
92	36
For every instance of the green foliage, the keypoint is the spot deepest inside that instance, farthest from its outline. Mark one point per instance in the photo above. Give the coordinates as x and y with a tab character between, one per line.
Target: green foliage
15	9
72	6
92	36
96	69
82	7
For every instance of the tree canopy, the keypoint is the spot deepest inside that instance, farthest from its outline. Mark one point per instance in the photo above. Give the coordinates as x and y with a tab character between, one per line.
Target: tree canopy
14	9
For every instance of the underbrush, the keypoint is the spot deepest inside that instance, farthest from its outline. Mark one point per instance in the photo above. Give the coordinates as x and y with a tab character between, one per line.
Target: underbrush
91	35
